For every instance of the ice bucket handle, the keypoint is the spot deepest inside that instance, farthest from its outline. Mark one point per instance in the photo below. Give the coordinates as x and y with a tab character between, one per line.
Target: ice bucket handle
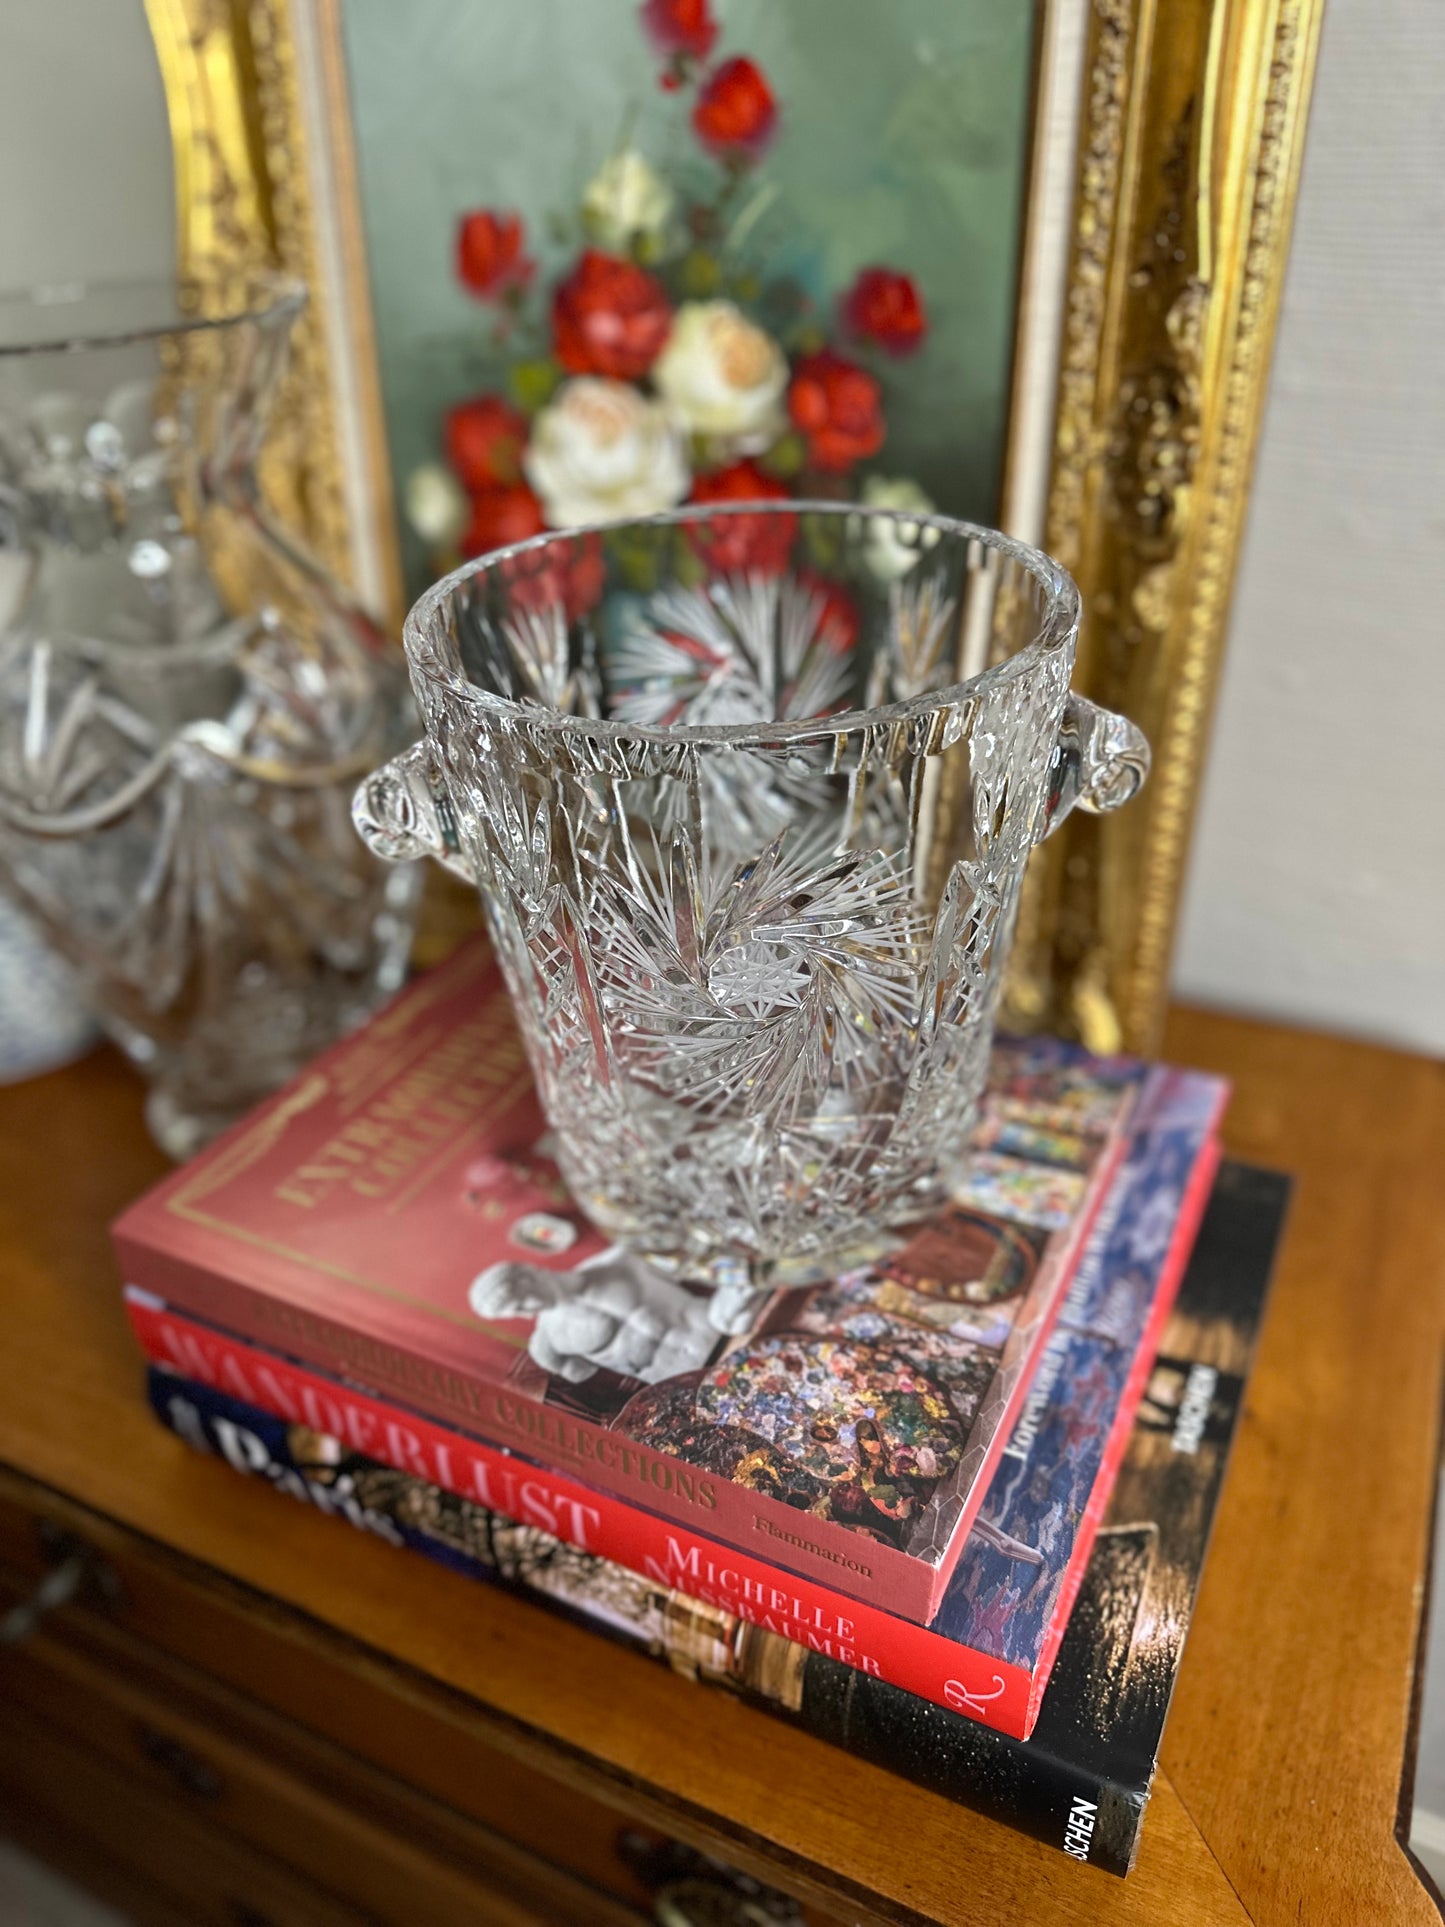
1100	762
402	813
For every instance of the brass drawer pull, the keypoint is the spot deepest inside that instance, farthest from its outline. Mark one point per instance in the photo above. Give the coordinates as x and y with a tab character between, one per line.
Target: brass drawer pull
75	1568
190	1770
710	1903
57	1588
692	1889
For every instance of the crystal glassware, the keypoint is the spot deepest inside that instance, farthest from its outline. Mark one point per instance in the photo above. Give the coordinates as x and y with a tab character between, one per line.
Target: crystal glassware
43	1020
186	704
748	793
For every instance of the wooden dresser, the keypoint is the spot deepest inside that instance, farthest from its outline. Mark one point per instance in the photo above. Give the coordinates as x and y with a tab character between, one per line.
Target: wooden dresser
236	1712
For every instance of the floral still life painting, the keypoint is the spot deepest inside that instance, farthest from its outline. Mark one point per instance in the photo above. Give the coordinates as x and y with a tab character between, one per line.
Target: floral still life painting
690	320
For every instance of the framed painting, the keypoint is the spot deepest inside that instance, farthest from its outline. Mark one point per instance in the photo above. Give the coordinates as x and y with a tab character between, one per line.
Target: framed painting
1085	202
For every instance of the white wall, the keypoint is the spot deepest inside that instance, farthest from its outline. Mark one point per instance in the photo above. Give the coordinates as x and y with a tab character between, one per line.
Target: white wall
1317	886
85	155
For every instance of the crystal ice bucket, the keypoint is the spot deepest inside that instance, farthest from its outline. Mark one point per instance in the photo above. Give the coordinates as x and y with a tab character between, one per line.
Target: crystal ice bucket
749	834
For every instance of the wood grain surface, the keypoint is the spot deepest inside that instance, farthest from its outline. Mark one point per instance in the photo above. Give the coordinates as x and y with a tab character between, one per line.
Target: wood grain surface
1282	1762
1287	1740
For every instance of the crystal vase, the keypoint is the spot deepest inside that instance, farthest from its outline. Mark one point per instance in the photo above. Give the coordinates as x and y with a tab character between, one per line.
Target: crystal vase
185	705
748	794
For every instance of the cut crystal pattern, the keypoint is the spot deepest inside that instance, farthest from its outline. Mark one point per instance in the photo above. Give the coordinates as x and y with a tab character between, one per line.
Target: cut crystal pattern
185	706
750	853
747	649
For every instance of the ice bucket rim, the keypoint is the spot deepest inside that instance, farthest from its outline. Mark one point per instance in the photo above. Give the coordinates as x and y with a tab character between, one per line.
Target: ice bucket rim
1058	628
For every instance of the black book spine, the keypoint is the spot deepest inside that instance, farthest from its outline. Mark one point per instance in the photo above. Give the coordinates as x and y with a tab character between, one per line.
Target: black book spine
1081	1782
1025	1785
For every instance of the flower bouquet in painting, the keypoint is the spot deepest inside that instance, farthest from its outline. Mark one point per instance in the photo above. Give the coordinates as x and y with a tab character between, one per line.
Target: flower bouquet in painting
663	364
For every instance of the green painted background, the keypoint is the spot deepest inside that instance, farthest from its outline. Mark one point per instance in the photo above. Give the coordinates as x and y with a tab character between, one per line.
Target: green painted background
902	140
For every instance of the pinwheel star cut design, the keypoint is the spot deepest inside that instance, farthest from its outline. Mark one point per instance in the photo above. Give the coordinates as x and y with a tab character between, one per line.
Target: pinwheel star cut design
762	987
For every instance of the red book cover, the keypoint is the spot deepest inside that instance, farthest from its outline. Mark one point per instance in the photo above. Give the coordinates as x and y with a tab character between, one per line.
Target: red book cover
391	1219
998	1681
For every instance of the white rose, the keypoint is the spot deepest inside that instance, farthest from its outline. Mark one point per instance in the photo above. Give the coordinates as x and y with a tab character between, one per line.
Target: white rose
722	376
436	504
626	198
891	548
601	449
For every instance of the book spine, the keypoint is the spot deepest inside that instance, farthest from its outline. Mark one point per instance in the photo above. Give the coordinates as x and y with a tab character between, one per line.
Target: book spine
1020	1362
935	1666
908	1581
1186	1230
797	1610
1025	1786
798	1544
1076	1809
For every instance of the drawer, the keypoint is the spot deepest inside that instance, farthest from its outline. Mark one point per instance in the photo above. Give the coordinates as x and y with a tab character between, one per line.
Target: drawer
189	1664
194	1751
233	1639
119	1884
215	1880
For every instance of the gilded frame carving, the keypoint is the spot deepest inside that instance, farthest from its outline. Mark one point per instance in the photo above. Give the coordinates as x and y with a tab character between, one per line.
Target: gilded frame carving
1190	136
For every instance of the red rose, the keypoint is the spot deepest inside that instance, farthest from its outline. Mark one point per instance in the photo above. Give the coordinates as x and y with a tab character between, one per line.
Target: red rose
738	544
887	308
484	440
489	253
835	406
680	27
586	575
500	516
609	317
838	621
571	570
735	112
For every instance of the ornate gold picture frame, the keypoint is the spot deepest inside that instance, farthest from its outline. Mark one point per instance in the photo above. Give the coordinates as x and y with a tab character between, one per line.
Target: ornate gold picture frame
1180	129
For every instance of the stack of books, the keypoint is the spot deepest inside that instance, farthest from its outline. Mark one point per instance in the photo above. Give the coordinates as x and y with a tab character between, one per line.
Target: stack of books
946	1509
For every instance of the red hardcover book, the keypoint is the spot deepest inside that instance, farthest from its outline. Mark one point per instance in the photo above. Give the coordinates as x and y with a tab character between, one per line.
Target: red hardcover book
369	1220
1118	1307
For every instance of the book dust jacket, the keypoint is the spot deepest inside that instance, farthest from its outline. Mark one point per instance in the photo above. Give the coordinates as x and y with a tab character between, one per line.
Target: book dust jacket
393	1219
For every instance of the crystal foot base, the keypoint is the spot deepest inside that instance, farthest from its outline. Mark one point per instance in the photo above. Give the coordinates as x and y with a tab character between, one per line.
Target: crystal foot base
181	1129
739	1276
